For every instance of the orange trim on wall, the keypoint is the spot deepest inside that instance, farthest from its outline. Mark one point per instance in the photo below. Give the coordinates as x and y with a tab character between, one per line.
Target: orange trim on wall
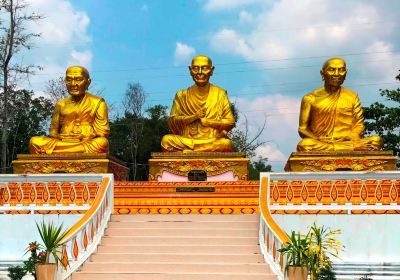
93	208
264	208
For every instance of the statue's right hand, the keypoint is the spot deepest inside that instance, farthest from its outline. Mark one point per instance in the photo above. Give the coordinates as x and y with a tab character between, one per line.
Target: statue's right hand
200	113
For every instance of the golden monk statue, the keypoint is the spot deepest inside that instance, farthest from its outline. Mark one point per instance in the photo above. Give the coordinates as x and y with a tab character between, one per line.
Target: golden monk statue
201	115
79	123
331	117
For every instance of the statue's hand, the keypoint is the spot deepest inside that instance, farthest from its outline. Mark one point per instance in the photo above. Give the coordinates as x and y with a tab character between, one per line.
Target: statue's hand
204	122
200	113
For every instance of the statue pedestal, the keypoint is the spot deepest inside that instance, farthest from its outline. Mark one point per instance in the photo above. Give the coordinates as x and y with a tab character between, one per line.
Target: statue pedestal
341	161
70	163
175	167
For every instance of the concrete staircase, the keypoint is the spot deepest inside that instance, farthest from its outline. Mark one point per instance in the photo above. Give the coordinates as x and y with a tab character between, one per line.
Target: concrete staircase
178	247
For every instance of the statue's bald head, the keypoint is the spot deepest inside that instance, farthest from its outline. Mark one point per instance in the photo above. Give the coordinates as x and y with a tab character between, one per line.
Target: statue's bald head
333	61
334	72
202	58
81	69
201	70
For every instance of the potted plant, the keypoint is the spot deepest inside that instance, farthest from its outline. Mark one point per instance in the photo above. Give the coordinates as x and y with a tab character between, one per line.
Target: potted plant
34	258
51	236
322	246
297	256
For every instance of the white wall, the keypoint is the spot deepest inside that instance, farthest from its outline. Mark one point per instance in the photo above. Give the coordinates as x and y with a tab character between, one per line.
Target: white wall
17	231
367	238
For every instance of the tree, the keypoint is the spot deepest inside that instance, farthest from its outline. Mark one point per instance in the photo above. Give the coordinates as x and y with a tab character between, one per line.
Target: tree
56	89
13	39
154	128
257	166
133	102
242	140
33	120
384	120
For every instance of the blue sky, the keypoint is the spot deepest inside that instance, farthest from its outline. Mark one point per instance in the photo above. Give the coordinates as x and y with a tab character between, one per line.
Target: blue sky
267	54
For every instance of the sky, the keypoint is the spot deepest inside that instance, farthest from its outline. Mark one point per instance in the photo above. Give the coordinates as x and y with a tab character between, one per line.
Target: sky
267	54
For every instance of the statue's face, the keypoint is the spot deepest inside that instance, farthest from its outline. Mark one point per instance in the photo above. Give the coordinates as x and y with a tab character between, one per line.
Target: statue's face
334	73
76	81
201	70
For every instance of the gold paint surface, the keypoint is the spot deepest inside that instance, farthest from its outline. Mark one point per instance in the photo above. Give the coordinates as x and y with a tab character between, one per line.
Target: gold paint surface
201	115
341	160
331	117
79	123
70	163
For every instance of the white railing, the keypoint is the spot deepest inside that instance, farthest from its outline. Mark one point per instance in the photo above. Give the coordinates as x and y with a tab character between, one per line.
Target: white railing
340	192
271	236
83	238
91	194
39	194
320	192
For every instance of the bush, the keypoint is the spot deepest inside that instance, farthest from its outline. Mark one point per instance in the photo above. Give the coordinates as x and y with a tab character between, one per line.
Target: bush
326	273
16	272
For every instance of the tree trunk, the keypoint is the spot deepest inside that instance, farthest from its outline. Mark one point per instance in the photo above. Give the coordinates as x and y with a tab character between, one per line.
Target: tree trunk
4	135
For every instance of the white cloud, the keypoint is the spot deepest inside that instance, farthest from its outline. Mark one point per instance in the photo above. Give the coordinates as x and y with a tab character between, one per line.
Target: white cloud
288	30
295	39
64	40
281	114
183	54
81	58
245	17
271	153
62	24
228	40
218	5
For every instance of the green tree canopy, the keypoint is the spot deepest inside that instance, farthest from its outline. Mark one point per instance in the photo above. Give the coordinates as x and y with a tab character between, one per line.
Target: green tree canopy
29	116
154	127
384	120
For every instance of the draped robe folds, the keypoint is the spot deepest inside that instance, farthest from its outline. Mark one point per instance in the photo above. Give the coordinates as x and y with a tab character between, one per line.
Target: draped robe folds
195	136
337	122
80	127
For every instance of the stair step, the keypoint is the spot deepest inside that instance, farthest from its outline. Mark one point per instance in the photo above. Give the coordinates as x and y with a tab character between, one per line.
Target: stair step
184	258
162	240
172	276
117	267
178	247
184	224
182	232
168	249
183	218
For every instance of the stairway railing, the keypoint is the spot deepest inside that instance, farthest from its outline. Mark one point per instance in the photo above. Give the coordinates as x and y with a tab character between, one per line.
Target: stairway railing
321	192
83	238
44	194
271	236
91	194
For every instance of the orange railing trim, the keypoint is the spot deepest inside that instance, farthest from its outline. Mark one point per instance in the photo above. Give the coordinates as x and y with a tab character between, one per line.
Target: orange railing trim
95	205
265	212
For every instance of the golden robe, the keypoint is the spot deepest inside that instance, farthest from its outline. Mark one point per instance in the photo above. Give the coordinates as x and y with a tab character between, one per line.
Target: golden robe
211	136
75	127
337	122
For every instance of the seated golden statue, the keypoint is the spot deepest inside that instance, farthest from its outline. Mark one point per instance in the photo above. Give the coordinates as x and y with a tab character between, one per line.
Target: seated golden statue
201	115
331	117
79	123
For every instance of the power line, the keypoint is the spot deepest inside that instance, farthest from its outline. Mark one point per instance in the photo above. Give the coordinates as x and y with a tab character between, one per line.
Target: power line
223	64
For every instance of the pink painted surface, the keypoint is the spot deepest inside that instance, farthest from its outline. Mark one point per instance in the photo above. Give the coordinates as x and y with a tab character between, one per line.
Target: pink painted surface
169	177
